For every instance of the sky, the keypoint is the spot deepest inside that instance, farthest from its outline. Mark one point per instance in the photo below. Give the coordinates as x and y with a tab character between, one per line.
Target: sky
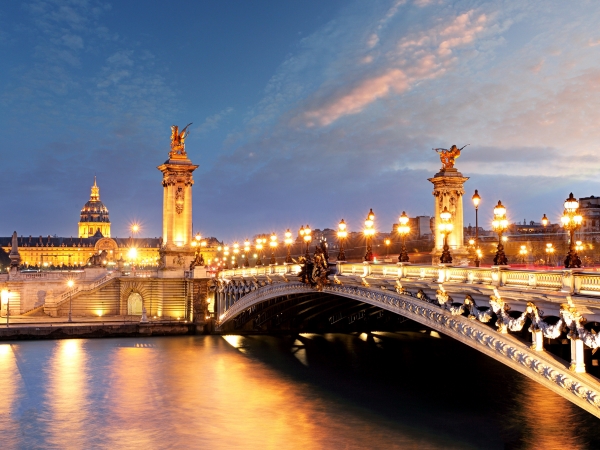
304	112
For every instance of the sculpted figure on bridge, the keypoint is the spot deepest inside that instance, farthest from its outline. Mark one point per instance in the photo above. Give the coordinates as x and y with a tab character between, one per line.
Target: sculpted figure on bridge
448	156
178	140
316	270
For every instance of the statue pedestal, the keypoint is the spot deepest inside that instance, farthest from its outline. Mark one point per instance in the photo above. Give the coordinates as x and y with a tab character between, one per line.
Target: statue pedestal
175	261
448	192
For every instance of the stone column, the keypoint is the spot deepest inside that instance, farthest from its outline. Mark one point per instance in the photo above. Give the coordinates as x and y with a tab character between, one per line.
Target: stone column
448	192
577	362
177	252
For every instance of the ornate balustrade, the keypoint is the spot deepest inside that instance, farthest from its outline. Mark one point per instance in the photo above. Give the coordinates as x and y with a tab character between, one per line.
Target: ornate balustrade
48	276
568	280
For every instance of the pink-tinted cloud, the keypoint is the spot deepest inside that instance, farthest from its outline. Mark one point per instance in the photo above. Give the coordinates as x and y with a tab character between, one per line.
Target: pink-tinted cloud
415	58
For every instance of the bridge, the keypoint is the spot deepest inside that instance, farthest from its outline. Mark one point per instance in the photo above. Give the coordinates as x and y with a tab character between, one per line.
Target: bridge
521	318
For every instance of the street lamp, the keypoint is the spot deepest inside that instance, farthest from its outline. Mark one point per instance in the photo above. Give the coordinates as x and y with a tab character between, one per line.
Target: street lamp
236	250
225	257
342	234
500	225
523	252
259	248
579	246
369	232
549	252
403	230
305	233
476	199
545	222
70	284
446	226
288	242
571	221
273	245
246	251
5	294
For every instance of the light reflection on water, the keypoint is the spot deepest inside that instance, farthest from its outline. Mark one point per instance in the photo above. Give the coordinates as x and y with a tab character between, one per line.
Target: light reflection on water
384	390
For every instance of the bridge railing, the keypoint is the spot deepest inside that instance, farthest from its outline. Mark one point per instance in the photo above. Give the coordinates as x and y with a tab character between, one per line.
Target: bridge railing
261	270
573	281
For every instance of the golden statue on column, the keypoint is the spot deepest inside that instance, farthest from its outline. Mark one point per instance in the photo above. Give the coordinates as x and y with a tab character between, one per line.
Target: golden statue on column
448	156
178	142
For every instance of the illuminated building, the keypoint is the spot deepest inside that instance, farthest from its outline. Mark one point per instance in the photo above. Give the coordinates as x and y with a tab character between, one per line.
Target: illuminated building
94	219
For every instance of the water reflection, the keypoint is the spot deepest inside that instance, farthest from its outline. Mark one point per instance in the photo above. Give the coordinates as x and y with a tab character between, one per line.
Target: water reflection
377	390
66	395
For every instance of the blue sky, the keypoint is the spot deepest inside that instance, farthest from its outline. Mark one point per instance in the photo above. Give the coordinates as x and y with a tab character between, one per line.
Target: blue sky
303	111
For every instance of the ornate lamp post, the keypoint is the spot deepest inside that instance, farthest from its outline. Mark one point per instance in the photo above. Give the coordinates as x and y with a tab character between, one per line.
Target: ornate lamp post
549	252
476	199
246	250
225	257
446	226
369	232
545	222
259	248
5	297
236	251
403	230
342	234
523	252
571	221
288	243
70	284
305	233
273	245
500	224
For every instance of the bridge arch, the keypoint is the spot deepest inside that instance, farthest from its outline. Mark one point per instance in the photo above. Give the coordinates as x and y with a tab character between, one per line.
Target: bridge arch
540	366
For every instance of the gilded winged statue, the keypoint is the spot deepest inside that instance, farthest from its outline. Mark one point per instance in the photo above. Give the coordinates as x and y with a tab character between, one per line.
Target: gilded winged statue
448	156
178	140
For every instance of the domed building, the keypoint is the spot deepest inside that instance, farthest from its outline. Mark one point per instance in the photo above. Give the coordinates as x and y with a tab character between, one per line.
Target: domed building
94	221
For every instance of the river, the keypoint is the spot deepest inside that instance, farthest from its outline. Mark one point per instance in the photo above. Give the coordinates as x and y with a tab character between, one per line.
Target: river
335	391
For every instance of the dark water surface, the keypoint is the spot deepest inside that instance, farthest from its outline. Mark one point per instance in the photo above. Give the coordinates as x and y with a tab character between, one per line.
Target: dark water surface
335	391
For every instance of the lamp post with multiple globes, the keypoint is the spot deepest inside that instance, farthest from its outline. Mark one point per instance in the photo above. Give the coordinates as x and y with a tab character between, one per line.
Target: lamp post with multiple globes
446	226
342	234
523	253
226	257
288	243
273	245
571	221
305	234
549	252
246	251
476	199
500	225
236	251
369	232
259	248
403	230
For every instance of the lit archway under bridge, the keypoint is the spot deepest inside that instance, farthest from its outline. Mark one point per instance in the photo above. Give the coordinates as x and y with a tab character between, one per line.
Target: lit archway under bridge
273	295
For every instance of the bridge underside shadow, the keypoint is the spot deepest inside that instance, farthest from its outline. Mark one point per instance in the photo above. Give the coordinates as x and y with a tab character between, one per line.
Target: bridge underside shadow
317	312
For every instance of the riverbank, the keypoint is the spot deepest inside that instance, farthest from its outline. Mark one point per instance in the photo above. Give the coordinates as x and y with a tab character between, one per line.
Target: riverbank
44	331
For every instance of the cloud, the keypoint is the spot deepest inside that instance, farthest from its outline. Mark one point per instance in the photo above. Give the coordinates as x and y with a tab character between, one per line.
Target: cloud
212	122
417	57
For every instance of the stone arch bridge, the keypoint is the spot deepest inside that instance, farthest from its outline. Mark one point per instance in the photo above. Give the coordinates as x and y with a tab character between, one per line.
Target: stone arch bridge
513	316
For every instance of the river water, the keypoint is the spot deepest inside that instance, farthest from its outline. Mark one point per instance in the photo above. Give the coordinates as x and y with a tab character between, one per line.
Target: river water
334	391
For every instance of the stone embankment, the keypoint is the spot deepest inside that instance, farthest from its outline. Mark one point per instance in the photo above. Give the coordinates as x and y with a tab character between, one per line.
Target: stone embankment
67	331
